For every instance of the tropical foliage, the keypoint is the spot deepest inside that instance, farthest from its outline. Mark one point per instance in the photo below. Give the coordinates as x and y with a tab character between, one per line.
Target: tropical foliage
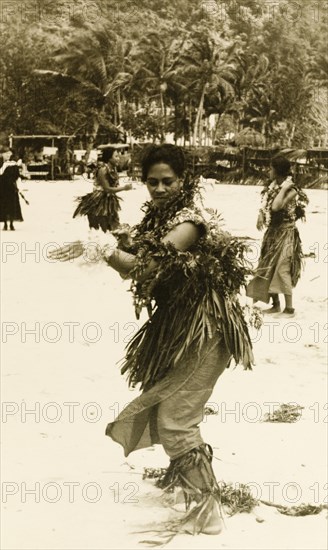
188	68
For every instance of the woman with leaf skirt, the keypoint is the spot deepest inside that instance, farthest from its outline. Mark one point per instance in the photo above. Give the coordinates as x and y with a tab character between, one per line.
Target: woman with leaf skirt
103	204
280	264
188	273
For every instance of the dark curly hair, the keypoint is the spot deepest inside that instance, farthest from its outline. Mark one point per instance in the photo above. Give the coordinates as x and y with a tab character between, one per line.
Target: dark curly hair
107	154
281	166
167	154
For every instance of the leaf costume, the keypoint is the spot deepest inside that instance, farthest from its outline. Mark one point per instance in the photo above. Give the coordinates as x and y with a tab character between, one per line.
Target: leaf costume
192	297
195	326
100	207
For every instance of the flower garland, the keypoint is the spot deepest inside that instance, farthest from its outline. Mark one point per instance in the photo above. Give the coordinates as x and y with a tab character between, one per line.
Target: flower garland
268	195
293	211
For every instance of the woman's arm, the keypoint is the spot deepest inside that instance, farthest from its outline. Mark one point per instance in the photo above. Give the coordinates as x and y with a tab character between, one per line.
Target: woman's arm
18	183
285	195
183	236
103	181
125	187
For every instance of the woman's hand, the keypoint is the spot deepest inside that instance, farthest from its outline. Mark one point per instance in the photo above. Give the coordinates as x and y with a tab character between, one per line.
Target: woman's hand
123	236
128	187
68	252
288	184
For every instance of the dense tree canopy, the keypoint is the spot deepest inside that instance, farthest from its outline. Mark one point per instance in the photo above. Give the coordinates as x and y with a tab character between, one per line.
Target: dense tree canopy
157	66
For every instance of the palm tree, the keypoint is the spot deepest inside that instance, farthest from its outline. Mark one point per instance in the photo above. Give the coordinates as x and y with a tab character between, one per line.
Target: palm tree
156	59
93	60
209	68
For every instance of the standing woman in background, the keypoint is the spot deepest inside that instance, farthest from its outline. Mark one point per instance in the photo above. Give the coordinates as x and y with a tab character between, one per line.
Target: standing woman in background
281	256
10	209
7	160
102	205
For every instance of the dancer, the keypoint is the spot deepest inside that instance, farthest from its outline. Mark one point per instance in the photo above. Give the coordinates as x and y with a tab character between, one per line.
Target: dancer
187	272
102	205
10	209
280	263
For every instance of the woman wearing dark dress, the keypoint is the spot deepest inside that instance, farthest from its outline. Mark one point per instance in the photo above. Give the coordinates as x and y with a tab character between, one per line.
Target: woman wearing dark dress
103	204
10	209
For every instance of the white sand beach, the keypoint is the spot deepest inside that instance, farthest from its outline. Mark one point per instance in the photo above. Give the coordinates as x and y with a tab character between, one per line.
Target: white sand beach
65	486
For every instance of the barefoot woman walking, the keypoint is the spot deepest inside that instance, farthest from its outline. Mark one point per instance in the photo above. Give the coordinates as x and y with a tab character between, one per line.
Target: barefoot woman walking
187	273
280	262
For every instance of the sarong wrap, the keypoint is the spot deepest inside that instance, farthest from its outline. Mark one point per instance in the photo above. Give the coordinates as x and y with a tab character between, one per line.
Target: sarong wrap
280	264
281	258
171	411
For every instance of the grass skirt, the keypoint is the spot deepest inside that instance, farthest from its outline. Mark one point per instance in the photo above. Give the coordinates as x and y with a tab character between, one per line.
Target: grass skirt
101	208
164	339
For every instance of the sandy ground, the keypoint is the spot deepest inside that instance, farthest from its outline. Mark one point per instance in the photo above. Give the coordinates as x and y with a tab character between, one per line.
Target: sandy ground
64	327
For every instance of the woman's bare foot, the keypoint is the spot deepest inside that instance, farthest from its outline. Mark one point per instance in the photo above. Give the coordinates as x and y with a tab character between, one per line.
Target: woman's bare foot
213	524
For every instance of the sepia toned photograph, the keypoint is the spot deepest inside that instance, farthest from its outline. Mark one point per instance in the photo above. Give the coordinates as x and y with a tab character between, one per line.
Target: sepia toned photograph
163	275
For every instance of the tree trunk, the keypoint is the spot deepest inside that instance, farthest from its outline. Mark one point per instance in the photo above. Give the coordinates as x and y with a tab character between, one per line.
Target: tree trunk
200	130
190	125
175	123
162	117
184	124
263	131
93	135
119	106
199	116
214	133
292	135
207	132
